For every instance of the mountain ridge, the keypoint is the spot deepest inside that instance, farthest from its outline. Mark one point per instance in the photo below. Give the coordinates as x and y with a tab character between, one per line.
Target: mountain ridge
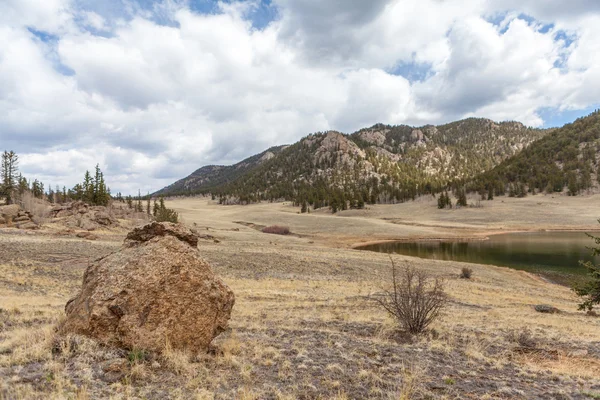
567	157
381	163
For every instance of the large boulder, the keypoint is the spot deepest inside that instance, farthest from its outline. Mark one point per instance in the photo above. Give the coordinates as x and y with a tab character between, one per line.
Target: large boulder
154	290
10	212
104	218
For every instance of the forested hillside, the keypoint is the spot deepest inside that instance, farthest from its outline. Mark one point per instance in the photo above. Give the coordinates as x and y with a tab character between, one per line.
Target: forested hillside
565	159
375	165
211	176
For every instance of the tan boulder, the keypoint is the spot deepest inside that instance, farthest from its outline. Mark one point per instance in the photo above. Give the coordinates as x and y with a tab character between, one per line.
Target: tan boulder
27	225
10	212
86	235
155	290
103	218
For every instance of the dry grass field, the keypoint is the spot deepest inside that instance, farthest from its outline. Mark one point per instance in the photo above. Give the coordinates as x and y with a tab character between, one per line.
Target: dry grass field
304	326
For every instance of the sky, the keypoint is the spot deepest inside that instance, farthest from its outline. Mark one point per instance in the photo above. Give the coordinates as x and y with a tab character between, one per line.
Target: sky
153	90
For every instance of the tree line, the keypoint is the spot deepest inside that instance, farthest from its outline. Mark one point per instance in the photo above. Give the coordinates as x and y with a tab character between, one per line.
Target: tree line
92	190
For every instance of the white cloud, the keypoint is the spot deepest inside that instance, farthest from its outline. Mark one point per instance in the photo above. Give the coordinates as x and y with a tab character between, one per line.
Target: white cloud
165	90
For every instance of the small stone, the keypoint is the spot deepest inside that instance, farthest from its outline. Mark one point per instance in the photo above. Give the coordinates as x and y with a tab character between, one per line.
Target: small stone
579	353
114	370
546	309
86	235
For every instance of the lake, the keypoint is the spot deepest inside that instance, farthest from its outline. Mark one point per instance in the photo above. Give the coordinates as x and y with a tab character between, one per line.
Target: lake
553	254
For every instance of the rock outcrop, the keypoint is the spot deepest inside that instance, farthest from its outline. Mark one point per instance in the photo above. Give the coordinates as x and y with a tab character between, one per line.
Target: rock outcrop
81	215
14	217
155	290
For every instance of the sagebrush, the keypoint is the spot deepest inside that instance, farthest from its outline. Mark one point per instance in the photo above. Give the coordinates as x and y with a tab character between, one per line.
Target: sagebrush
415	298
277	230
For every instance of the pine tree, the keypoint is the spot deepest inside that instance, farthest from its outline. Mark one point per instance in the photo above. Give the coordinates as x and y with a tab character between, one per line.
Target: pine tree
23	185
8	171
461	198
334	206
88	188
139	207
360	204
590	290
304	208
165	214
442	202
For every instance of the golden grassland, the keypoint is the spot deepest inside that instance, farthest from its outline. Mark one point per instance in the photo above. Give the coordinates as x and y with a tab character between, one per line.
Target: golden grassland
303	325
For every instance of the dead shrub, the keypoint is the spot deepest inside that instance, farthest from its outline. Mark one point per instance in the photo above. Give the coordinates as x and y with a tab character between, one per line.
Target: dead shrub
522	337
38	208
466	273
415	299
277	230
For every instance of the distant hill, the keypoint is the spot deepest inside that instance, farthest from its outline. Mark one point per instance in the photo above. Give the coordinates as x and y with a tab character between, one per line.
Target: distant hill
382	163
565	159
212	176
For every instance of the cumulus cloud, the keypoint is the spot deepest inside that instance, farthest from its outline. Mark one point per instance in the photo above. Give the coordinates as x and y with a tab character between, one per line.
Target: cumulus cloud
153	91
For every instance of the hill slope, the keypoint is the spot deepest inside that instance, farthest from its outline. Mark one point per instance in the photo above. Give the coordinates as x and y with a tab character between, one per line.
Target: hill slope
566	158
379	164
212	176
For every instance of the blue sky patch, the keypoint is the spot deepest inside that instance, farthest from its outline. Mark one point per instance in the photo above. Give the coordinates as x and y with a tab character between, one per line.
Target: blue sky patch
412	71
554	118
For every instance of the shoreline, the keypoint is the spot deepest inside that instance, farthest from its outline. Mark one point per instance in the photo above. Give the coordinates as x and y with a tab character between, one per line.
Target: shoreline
561	279
484	236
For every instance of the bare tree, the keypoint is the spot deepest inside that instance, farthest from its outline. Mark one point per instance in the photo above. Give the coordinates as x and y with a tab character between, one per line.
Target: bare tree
415	299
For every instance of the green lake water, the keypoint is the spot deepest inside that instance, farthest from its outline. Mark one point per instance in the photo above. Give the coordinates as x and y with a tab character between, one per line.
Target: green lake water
553	254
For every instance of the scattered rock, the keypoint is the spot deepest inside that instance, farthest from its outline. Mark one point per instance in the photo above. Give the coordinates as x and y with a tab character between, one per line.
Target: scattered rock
86	223
103	218
21	219
114	370
547	309
579	353
27	225
86	235
2	221
155	289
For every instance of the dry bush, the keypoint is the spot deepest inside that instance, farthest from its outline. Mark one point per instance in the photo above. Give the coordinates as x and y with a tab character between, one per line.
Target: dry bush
38	208
415	299
277	230
412	379
178	361
522	337
466	273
